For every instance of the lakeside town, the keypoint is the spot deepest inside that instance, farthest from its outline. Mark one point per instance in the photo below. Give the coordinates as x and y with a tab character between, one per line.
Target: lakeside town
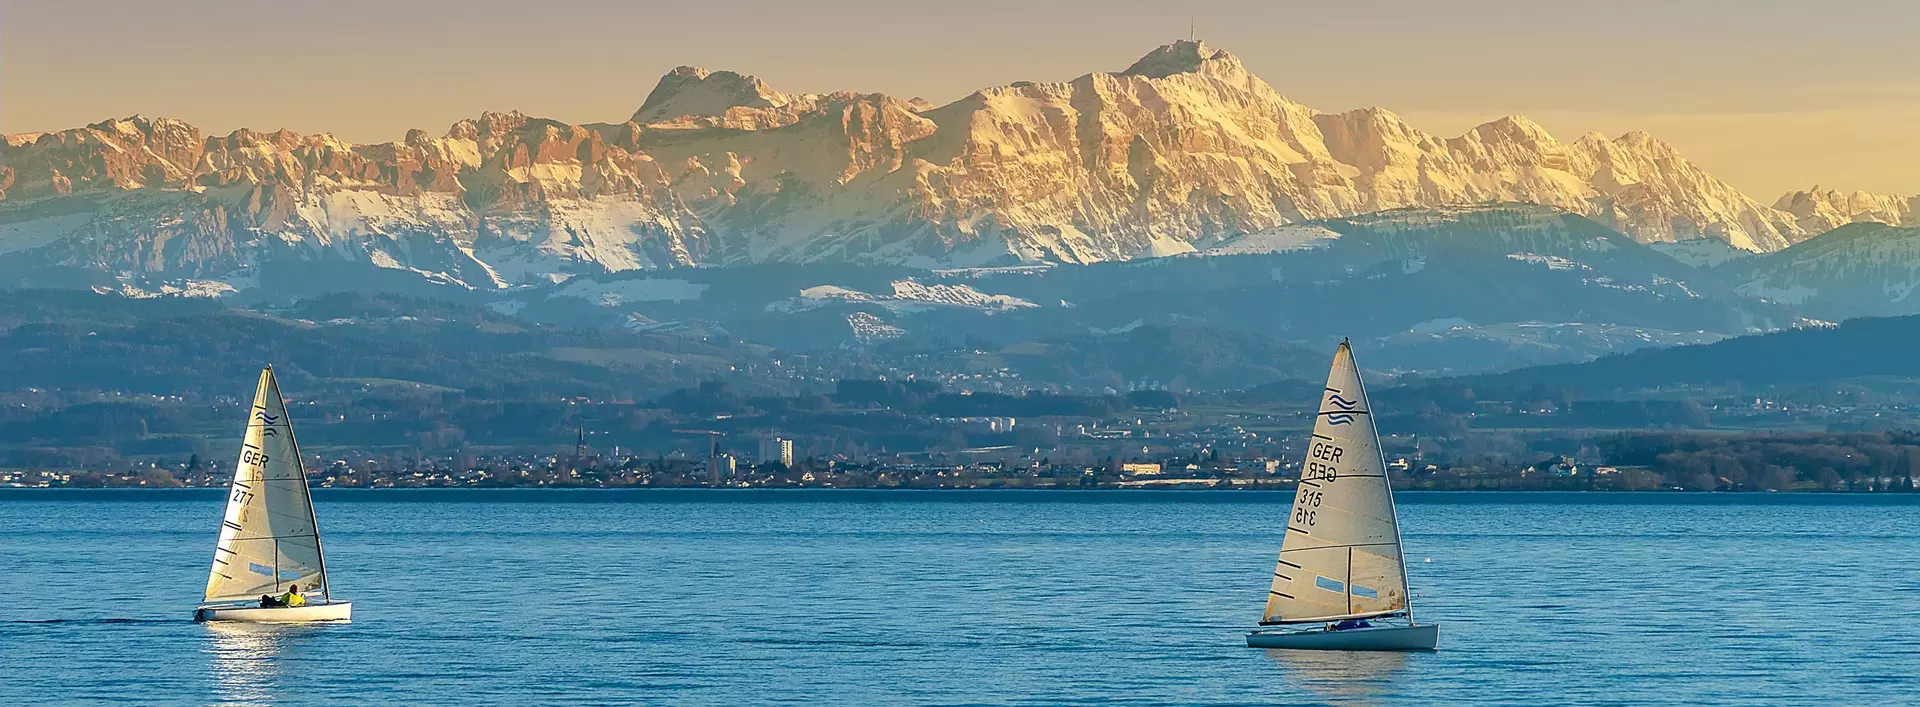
773	464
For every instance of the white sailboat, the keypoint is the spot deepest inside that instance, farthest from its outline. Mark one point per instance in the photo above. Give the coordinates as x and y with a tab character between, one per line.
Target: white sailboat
269	538
1341	583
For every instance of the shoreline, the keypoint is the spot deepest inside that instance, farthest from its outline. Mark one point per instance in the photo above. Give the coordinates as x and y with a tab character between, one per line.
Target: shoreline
707	493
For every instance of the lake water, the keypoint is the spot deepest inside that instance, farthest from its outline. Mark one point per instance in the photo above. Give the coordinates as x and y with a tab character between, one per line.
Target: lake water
969	597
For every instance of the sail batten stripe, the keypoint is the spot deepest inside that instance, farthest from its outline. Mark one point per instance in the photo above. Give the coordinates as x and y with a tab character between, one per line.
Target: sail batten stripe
1297	530
1336	547
1279	593
278	537
1289	564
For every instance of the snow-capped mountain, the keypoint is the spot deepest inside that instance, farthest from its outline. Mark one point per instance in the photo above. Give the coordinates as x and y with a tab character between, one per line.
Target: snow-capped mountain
1182	151
1820	210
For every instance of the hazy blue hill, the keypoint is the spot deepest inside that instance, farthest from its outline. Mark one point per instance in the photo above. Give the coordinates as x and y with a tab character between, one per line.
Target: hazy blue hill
166	346
1178	357
1859	347
1861	269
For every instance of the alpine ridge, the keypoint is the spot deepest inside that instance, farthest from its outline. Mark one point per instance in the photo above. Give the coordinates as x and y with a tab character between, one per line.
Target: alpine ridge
1820	210
717	168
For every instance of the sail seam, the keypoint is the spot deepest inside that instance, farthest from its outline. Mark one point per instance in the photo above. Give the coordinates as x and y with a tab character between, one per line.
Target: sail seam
1336	547
275	537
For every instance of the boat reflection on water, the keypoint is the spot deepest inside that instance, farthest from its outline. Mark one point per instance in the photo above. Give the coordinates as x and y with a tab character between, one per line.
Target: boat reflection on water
1343	676
246	659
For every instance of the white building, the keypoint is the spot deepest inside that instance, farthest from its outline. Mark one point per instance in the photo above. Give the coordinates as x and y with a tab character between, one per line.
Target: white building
774	449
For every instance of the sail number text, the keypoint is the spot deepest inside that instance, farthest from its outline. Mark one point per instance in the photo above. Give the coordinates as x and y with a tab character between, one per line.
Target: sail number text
1321	458
252	458
1306	508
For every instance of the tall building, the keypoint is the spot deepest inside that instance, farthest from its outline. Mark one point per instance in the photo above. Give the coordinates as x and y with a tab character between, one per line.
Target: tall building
774	449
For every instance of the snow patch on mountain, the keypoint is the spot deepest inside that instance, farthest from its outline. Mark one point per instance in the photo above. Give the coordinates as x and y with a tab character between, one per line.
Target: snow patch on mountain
1282	239
1552	262
620	292
134	288
868	328
908	296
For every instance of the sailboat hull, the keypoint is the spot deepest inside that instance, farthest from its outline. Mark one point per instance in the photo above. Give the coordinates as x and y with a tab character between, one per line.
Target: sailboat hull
1424	637
311	613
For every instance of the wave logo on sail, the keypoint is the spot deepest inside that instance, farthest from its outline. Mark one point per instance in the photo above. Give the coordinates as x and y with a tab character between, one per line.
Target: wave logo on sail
1342	418
1342	403
264	418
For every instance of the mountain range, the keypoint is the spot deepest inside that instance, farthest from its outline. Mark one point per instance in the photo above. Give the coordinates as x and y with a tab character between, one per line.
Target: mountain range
1068	234
1182	150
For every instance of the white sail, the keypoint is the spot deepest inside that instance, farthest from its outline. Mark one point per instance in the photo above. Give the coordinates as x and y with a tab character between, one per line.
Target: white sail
1341	556
269	538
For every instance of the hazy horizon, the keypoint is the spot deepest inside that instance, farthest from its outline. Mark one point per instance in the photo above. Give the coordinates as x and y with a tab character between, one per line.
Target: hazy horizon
1769	96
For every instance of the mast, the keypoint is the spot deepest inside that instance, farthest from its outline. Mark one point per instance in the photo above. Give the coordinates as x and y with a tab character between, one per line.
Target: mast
300	465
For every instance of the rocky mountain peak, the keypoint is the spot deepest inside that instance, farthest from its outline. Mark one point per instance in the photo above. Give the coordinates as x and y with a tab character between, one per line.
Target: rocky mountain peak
1818	210
690	91
1514	130
1184	57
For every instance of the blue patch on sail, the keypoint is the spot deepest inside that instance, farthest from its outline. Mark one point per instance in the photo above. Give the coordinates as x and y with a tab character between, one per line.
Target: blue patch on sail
1329	584
289	574
1368	592
260	569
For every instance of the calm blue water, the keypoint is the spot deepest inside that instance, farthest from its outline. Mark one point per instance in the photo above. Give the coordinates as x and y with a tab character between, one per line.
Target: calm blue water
726	597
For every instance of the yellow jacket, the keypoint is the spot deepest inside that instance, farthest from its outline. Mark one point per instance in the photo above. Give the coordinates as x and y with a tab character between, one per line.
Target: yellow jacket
292	598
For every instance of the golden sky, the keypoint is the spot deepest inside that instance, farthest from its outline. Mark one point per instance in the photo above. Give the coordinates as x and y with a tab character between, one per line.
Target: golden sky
1770	96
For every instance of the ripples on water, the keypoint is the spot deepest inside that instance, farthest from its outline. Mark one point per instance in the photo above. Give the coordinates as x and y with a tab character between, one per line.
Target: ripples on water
718	597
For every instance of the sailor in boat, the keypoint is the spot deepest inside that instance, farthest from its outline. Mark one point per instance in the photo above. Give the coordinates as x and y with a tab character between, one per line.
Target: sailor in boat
290	599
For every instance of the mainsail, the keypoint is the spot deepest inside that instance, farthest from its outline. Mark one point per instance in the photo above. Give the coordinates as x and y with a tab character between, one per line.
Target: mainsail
269	538
1341	556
